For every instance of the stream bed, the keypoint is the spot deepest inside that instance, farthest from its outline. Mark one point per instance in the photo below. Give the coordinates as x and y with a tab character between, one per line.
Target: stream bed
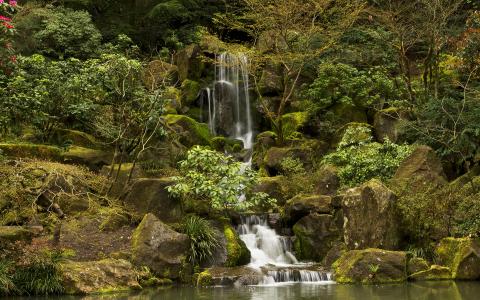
446	290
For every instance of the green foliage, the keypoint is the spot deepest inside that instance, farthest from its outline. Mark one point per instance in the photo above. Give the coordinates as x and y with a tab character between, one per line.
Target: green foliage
203	238
7	286
291	165
207	175
342	83
7	32
358	162
58	32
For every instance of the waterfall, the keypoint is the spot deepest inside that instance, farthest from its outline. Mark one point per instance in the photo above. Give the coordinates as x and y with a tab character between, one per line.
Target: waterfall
228	102
273	255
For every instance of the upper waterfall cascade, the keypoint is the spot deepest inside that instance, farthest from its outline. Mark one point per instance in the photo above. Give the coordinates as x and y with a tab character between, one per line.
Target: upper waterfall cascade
228	102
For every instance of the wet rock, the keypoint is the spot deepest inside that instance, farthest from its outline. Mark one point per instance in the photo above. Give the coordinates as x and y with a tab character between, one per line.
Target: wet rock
237	276
159	247
371	266
370	218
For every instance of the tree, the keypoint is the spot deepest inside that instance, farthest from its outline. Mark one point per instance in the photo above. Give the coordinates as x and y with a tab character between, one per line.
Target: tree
297	32
7	30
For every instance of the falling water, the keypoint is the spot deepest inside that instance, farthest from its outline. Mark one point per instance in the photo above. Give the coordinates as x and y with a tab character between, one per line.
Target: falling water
272	254
228	102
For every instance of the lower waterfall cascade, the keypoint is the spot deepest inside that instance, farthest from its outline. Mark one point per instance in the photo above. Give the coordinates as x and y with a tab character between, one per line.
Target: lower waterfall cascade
272	254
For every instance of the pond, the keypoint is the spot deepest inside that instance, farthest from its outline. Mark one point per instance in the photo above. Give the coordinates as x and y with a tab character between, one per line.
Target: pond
447	290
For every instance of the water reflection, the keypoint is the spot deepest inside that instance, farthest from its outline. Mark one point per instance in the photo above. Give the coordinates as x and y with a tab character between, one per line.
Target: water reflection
446	290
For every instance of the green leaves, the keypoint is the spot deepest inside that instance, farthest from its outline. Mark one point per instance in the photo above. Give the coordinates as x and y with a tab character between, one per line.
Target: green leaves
207	175
203	238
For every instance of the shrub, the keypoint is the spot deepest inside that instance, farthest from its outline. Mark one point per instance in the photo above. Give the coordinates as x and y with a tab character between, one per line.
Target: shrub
360	159
203	238
207	175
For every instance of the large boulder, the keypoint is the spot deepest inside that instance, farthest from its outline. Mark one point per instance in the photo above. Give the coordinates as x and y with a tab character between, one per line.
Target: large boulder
371	266
416	264
370	218
104	276
421	170
302	205
150	195
189	62
189	131
461	255
237	252
315	235
275	187
159	247
326	180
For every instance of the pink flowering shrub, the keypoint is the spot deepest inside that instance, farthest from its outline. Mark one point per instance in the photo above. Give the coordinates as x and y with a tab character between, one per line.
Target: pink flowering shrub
7	30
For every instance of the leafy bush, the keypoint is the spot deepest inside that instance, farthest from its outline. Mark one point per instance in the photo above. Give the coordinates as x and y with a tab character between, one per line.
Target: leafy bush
342	83
360	159
7	32
207	175
291	165
203	238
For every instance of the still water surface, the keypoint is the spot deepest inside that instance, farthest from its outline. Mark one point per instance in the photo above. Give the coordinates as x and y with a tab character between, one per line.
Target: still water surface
446	290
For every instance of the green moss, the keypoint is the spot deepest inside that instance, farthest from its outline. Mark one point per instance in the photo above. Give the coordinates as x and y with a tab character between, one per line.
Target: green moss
434	273
190	131
460	256
222	144
293	122
204	279
237	253
78	138
190	90
32	151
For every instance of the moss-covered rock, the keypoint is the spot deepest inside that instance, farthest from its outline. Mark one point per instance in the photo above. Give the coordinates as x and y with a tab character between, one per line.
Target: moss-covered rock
371	266
416	264
190	91
234	276
370	217
461	255
12	234
150	195
92	158
315	235
302	205
263	142
189	131
121	180
32	151
334	254
237	252
293	123
387	123
64	137
348	113
189	63
271	81
158	247
275	187
326	180
421	170
435	272
204	279
224	144
104	276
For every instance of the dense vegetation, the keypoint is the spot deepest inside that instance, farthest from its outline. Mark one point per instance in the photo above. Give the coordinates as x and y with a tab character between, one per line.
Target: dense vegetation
97	97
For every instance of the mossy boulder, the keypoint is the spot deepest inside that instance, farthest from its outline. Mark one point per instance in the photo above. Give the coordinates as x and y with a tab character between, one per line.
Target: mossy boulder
64	137
160	248
189	131
461	255
370	217
435	272
275	187
204	279
370	266
315	235
348	113
417	264
263	142
420	171
334	253
293	123
271	81
189	62
32	151
237	252
121	181
92	158
190	91
224	144
158	73
173	100
302	205
93	277
326	180
150	195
